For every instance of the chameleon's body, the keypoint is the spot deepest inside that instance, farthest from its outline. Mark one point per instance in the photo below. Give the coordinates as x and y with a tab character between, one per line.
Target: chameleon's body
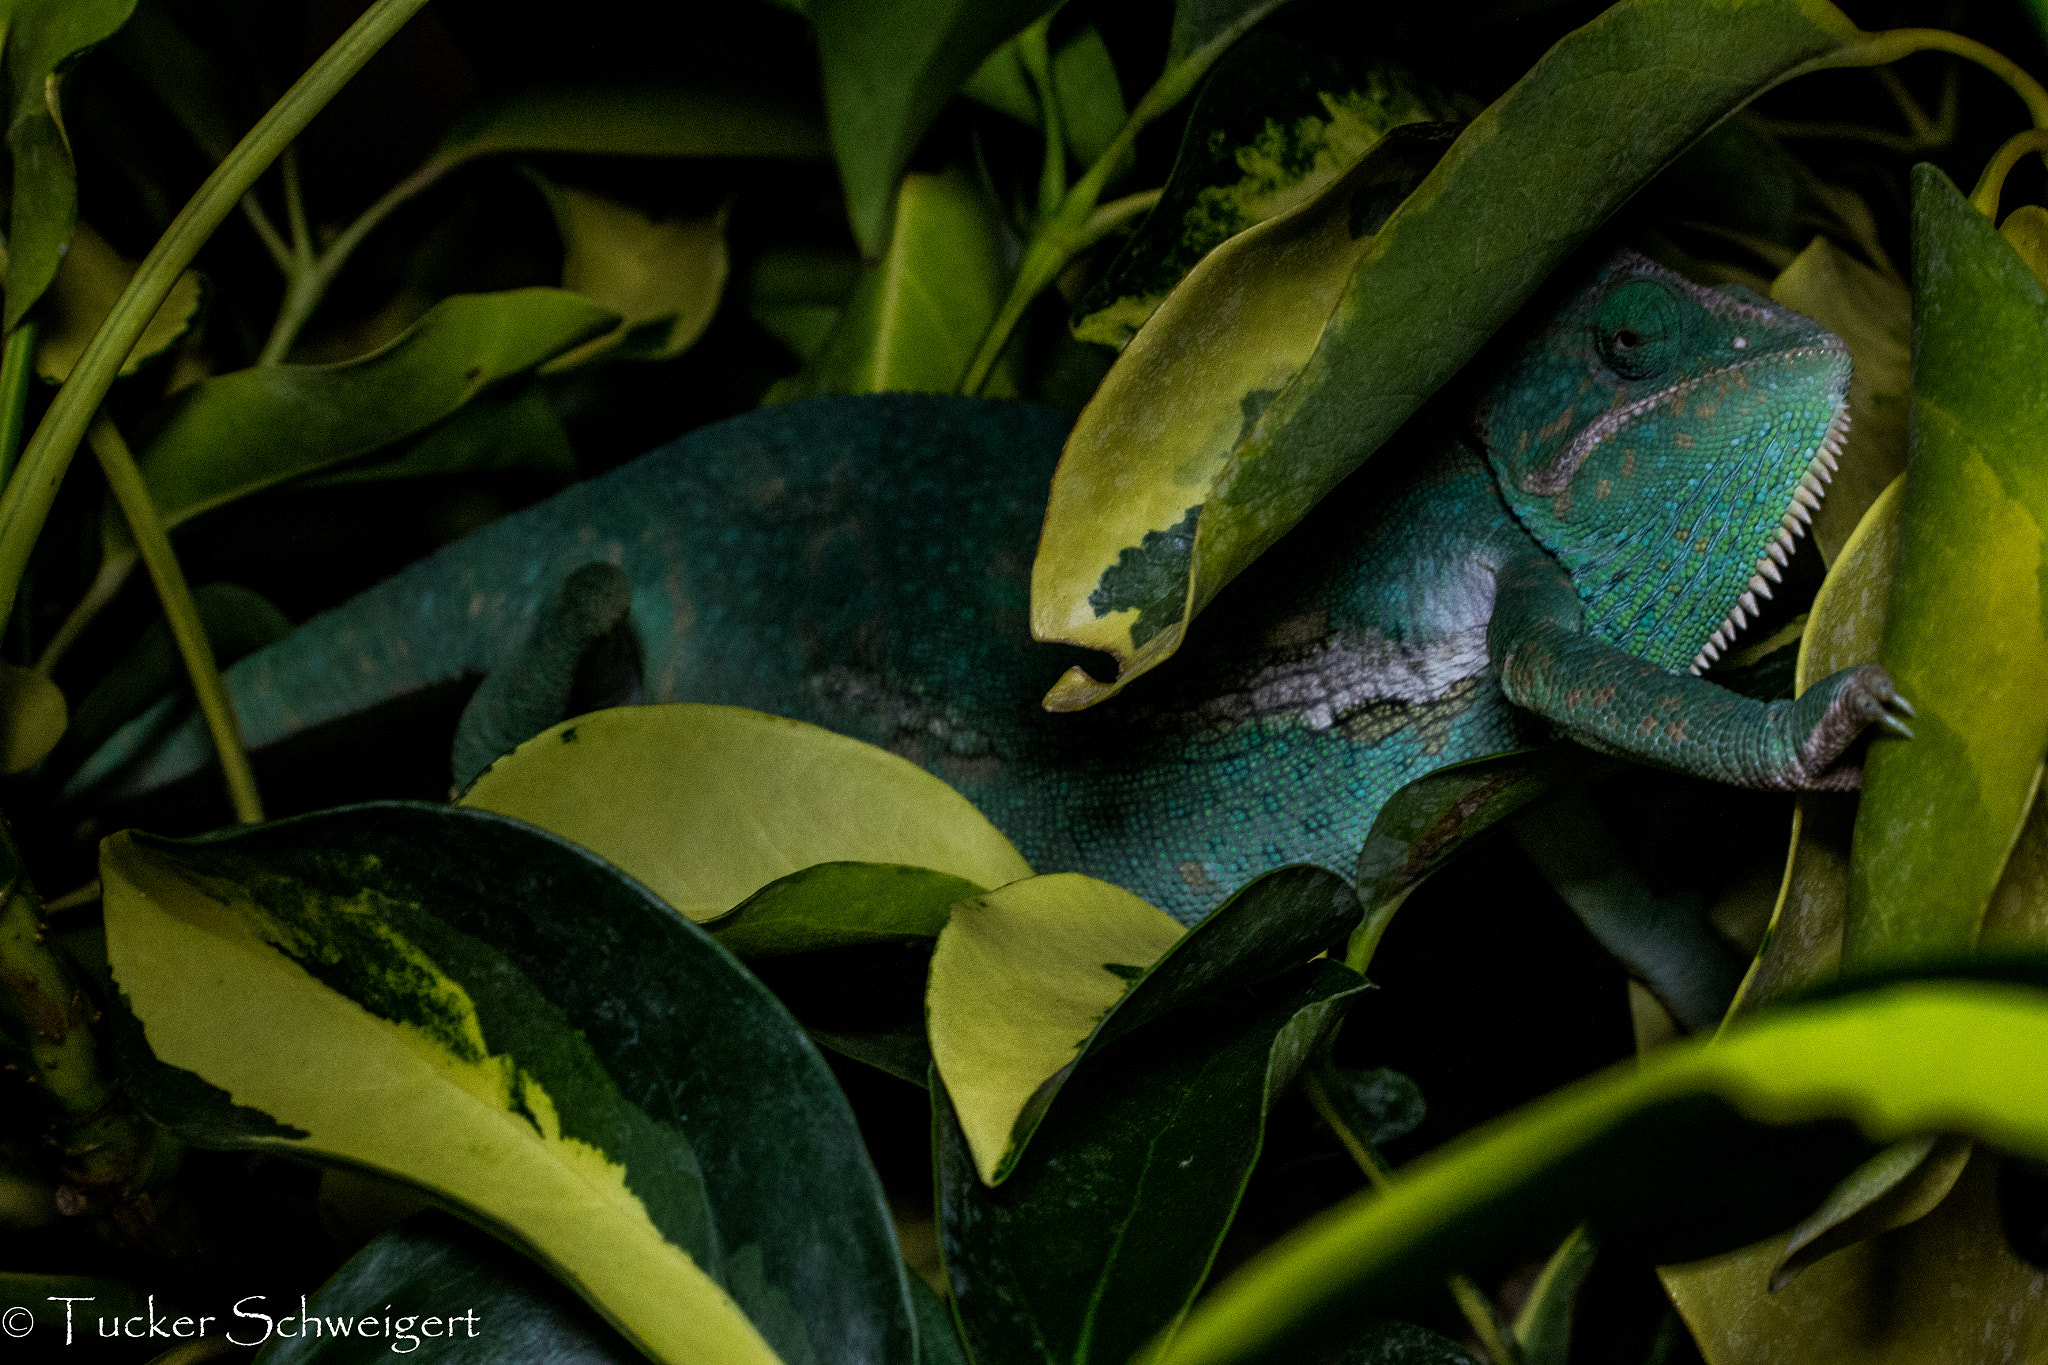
864	564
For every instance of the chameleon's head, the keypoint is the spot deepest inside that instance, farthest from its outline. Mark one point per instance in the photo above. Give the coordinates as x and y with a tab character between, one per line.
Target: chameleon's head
1666	442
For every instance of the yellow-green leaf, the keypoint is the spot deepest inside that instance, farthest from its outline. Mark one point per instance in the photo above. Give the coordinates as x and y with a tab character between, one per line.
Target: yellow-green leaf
89	279
494	1017
2026	227
663	277
32	717
1873	314
1896	1059
1966	629
706	805
832	905
1203	447
1019	980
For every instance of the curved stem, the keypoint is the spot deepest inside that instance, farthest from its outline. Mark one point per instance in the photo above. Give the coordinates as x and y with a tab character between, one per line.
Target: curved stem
106	586
17	366
1882	49
1992	183
26	502
310	285
1036	54
181	613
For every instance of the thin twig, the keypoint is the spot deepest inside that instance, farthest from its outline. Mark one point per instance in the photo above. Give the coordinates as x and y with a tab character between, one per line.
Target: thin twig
182	614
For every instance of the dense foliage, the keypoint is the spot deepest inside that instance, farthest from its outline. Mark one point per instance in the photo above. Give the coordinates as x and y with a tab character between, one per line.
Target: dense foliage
723	1038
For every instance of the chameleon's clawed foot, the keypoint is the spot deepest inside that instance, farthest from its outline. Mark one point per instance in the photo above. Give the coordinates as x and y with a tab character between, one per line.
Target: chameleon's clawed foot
1833	714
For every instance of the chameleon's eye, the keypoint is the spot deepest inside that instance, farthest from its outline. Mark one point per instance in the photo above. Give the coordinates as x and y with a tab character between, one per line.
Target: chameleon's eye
1641	330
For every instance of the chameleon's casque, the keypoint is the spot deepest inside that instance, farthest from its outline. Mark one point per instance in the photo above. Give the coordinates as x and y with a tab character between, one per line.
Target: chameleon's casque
1547	553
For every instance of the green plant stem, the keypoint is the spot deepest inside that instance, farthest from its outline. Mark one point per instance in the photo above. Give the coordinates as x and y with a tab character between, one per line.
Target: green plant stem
295	208
17	368
1882	49
1317	1083
154	544
310	285
1064	234
106	586
26	503
1992	183
1036	55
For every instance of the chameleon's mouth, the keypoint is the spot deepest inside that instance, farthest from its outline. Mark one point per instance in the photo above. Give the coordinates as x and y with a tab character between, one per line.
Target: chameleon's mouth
1813	486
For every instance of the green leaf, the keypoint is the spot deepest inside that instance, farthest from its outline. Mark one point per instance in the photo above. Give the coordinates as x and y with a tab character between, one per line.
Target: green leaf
938	1340
88	281
1293	352
43	38
706	805
1543	1329
511	429
1966	630
634	119
1904	1182
1652	1147
1105	1229
502	1308
915	318
1274	124
1028	980
834	905
2026	227
484	1012
222	441
663	277
33	716
1873	314
1199	23
1943	1290
797	294
889	66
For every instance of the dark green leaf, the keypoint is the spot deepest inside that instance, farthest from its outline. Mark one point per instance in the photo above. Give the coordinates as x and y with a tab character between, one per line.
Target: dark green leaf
889	66
831	905
1966	631
938	1340
404	1287
511	429
1106	1227
529	1036
627	119
43	37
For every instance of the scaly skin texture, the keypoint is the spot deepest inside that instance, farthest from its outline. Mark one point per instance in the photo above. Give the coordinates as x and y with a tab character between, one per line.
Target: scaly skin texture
1549	559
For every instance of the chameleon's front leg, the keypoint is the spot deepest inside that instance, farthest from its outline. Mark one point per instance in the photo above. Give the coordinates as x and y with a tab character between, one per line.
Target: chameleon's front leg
1614	701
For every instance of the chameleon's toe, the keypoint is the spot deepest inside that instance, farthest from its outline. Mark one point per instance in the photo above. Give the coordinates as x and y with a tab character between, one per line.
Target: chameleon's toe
1892	725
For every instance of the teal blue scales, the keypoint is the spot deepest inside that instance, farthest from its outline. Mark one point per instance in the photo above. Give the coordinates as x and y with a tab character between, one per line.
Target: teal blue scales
864	564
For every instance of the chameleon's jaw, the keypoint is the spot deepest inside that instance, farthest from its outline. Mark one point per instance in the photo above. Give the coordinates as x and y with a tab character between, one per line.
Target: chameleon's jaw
1813	486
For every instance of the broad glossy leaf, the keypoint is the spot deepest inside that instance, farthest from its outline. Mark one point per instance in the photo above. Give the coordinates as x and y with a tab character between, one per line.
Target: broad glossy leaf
511	429
531	1038
1091	101
1028	980
88	281
1873	314
938	1340
706	805
628	119
889	66
429	1268
663	277
227	438
1275	123
1944	1290
1802	944
1653	1148
33	716
833	905
1966	631
43	37
1107	1226
915	318
1261	394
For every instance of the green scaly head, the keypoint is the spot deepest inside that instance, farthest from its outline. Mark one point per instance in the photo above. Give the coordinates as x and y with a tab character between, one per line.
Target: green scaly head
1666	442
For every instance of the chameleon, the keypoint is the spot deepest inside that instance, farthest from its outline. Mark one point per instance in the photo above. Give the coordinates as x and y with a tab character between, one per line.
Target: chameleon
1560	544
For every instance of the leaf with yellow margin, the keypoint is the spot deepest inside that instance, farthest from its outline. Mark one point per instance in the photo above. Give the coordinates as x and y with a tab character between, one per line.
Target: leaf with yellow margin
506	1023
706	805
